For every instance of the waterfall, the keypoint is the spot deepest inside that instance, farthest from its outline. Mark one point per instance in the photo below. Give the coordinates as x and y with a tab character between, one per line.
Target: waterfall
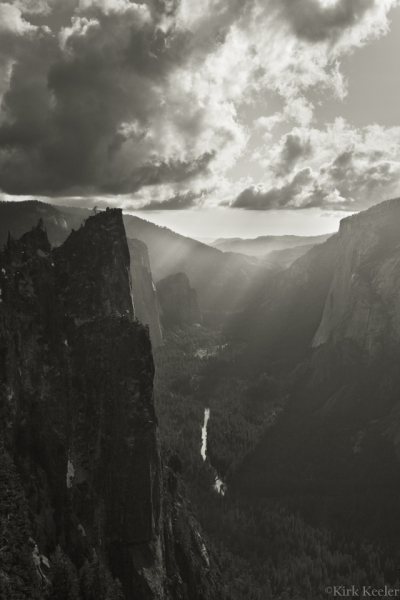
204	434
219	485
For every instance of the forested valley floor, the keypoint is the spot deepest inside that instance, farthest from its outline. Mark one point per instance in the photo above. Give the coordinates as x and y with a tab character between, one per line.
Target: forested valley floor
270	545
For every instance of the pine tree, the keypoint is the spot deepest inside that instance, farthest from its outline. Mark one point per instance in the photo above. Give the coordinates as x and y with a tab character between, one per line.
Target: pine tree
64	577
97	583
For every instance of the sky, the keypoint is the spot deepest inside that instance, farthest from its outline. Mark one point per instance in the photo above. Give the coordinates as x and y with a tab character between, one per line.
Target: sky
220	118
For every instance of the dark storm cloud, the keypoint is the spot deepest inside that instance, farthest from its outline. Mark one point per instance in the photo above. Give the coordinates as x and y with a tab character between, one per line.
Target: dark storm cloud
148	175
111	96
315	22
68	113
275	198
95	109
179	202
293	149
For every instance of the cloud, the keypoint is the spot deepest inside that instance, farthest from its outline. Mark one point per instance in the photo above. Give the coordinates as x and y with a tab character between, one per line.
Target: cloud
318	21
179	202
34	7
121	96
338	168
291	150
289	195
11	21
115	111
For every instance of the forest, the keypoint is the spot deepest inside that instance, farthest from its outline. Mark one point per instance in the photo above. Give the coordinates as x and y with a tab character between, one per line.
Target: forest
271	544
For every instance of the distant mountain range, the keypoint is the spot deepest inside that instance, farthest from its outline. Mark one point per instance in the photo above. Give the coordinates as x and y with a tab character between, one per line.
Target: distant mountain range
262	246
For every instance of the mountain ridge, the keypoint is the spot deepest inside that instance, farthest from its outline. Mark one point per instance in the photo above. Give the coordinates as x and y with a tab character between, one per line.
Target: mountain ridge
261	246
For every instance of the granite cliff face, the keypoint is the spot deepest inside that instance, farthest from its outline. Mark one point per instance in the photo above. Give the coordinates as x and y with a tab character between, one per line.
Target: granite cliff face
344	291
356	347
17	218
178	301
363	303
144	291
336	447
77	414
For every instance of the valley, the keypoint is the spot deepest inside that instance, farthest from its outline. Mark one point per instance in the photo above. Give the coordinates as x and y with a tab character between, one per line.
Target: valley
323	451
199	299
277	423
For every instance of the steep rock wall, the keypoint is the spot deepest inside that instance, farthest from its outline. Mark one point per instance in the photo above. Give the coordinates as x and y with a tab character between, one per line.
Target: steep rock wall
17	218
144	291
77	413
77	376
363	303
178	301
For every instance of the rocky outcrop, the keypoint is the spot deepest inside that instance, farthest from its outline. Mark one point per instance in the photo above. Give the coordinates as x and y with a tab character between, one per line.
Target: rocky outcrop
363	304
144	291
178	301
17	218
77	413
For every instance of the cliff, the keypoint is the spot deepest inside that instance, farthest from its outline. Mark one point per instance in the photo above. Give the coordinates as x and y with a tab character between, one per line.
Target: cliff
17	218
144	291
336	447
178	301
363	301
345	290
77	416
